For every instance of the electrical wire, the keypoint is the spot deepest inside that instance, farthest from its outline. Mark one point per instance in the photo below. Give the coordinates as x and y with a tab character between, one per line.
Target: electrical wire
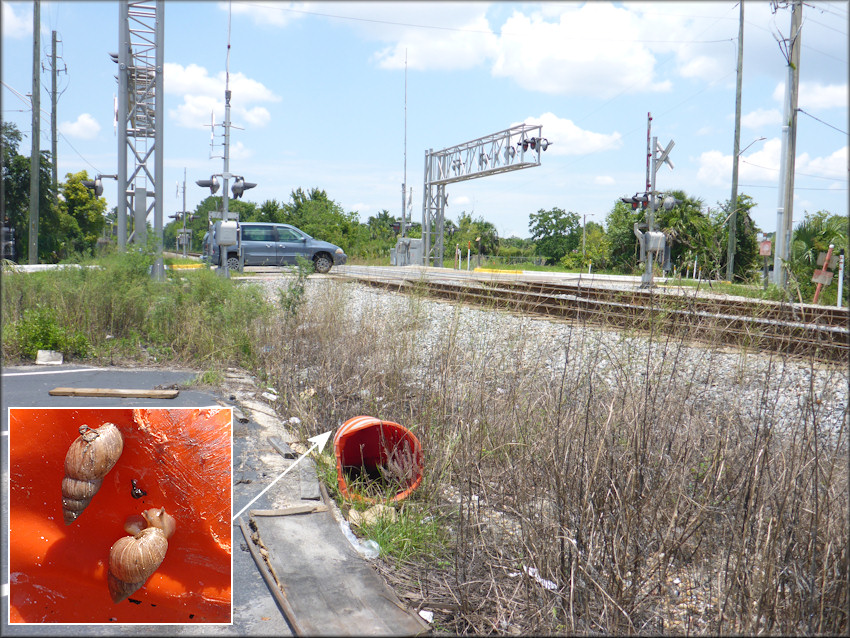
769	168
462	30
799	110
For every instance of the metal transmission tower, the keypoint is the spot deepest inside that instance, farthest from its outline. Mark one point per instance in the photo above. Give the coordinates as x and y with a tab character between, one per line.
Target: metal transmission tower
509	150
140	60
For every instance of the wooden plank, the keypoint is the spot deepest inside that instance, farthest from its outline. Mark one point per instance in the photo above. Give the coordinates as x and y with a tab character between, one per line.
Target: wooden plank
289	511
271	582
309	482
114	392
282	447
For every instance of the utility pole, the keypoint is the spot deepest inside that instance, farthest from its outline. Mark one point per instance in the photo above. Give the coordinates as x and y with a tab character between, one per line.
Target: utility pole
733	216
404	185
584	237
35	163
785	210
53	118
183	236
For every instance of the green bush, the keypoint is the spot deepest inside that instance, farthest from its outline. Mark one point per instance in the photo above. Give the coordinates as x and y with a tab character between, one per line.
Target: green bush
39	329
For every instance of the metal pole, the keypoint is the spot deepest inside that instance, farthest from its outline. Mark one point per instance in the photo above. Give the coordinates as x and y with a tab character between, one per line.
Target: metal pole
840	302
184	212
584	237
646	279
159	110
53	116
121	116
733	217
35	163
404	185
785	211
426	204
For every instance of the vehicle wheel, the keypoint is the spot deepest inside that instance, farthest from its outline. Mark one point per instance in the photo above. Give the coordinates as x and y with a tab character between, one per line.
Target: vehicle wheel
322	263
233	263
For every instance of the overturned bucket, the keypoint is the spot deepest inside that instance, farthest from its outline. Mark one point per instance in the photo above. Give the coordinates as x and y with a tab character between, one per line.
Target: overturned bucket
371	450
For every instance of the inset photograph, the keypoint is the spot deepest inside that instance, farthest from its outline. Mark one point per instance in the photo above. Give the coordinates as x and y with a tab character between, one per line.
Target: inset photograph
120	515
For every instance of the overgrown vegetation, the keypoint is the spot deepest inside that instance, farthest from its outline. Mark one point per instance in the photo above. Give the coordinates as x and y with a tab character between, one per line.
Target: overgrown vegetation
577	500
557	496
112	309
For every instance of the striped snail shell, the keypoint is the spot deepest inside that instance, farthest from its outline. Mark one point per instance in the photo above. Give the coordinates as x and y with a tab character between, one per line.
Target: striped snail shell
133	559
89	459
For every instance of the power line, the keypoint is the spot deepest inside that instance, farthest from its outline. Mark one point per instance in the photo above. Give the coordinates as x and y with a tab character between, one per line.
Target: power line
769	168
796	188
799	110
481	31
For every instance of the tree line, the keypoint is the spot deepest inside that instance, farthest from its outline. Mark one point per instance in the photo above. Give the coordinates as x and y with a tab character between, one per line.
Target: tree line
73	223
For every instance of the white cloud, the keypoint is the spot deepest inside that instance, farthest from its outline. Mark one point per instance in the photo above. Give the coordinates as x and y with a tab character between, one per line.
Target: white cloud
715	168
16	25
604	180
239	151
85	127
834	165
559	57
569	139
203	95
761	117
276	14
814	95
461	201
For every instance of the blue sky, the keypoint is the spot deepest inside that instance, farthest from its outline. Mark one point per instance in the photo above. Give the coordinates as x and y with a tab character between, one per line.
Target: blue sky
319	94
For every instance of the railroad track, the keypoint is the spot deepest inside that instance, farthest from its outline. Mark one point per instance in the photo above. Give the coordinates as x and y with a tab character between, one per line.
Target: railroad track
793	329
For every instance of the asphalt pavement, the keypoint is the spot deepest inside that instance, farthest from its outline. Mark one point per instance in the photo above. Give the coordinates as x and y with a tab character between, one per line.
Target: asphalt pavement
255	612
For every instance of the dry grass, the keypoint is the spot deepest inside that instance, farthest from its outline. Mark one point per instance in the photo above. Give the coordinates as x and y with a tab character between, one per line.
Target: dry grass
577	499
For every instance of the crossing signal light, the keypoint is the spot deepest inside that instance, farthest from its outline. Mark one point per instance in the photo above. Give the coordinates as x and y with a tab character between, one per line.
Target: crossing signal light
94	184
638	201
211	183
240	186
670	202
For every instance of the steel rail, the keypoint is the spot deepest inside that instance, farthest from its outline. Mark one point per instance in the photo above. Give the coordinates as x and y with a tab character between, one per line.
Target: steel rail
778	328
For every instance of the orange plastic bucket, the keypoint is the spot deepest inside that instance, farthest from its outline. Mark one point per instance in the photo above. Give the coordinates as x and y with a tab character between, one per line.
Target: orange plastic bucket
366	444
181	458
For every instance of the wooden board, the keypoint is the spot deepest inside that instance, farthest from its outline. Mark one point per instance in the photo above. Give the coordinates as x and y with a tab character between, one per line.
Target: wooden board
327	589
114	392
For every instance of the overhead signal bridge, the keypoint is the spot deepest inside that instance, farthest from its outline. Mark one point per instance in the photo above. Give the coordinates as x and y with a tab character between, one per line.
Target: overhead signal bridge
509	150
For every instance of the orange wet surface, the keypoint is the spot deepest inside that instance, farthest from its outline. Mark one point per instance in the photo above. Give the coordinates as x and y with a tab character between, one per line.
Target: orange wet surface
181	458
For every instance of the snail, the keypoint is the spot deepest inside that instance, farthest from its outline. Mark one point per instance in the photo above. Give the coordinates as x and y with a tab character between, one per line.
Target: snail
133	559
89	459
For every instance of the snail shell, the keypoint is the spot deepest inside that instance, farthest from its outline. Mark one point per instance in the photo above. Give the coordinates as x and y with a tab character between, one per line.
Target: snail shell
133	559
89	459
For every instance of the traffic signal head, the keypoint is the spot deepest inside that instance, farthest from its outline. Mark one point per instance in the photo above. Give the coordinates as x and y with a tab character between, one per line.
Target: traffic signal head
638	201
96	185
670	202
211	183
240	186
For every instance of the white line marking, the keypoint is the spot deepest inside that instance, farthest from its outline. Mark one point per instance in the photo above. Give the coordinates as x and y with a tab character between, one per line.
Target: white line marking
25	374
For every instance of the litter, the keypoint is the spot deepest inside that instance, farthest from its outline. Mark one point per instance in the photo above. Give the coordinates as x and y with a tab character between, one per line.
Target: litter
371	451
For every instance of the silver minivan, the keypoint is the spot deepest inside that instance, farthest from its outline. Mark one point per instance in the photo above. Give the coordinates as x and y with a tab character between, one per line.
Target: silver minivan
268	244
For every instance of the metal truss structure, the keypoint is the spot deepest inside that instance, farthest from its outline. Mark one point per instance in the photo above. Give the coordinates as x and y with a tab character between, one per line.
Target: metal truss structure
139	116
509	150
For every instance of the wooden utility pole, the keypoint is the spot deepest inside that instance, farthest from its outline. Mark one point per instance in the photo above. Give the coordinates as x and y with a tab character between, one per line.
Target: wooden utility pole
785	211
733	216
53	98
35	164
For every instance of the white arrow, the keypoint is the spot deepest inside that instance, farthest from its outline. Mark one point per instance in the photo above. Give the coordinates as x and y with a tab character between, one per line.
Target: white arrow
319	441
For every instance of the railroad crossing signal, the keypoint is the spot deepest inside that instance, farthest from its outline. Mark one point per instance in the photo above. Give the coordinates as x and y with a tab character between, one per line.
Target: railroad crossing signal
211	183
638	201
240	186
96	185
